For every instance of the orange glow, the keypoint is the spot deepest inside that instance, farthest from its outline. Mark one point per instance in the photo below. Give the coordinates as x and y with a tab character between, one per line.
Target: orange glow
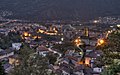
77	41
48	33
87	61
41	31
55	30
81	62
34	37
39	37
100	42
26	34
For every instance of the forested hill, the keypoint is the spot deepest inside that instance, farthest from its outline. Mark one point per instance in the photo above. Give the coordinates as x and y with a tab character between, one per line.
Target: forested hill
60	9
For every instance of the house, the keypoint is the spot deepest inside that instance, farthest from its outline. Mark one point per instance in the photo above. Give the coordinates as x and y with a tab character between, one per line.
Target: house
7	67
65	60
58	72
33	45
87	61
78	70
13	60
4	31
16	46
98	70
65	69
42	50
6	53
93	55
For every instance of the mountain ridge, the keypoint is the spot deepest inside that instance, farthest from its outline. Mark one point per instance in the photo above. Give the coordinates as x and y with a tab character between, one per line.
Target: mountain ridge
60	9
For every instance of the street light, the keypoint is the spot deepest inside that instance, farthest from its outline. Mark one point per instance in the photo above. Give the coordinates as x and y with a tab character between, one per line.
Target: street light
26	34
78	42
100	42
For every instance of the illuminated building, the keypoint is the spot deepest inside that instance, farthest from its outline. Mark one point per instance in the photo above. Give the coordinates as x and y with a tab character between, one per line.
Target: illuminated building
78	42
86	31
25	35
41	31
87	61
36	37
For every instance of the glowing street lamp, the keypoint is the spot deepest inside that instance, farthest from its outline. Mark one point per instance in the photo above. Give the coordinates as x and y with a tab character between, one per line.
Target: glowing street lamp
78	42
100	42
62	39
95	21
26	34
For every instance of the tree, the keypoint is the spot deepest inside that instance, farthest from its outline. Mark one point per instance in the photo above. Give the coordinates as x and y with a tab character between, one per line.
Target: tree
52	58
114	69
111	52
6	41
2	71
62	47
30	63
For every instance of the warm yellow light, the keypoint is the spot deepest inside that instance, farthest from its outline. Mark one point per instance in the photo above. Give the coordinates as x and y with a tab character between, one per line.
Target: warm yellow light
77	41
41	31
29	34
39	37
50	33
34	37
101	41
118	25
26	34
87	61
81	62
55	30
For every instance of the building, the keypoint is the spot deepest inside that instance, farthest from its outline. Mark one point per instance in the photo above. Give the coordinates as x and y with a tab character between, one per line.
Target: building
6	53
13	60
16	46
42	50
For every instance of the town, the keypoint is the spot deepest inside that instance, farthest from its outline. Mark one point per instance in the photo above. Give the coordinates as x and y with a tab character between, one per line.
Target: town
70	48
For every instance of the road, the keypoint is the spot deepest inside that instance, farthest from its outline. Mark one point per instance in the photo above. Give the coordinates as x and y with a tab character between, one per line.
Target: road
54	52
